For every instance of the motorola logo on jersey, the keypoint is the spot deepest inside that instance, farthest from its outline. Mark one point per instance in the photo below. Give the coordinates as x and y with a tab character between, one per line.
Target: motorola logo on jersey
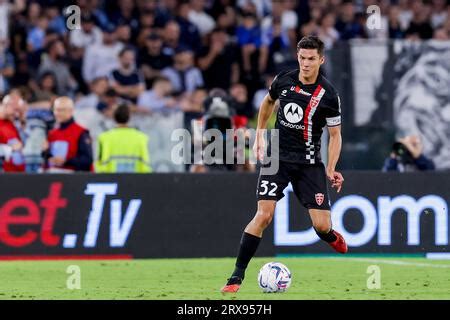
293	112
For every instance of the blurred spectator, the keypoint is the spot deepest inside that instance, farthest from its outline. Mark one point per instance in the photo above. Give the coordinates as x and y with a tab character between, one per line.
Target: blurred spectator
284	19
171	37
420	26
92	7
441	34
80	39
326	31
226	19
159	98
189	31
54	61
11	142
347	25
407	156
7	66
193	107
261	93
405	13
165	10
395	27
69	144
126	15
39	120
98	88
56	23
7	8
439	13
218	61
241	105
275	45
46	87
101	59
260	7
197	15
447	23
36	40
123	149
126	80
152	60
21	76
249	40
100	118
124	34
184	76
146	27
88	35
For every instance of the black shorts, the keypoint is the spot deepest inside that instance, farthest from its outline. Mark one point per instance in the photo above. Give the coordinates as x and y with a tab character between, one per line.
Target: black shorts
309	183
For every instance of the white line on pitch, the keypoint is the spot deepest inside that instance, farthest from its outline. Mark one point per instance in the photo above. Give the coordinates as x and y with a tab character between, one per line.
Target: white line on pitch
395	262
438	255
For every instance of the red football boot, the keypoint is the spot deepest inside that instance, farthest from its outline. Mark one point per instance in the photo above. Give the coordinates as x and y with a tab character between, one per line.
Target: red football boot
339	244
232	286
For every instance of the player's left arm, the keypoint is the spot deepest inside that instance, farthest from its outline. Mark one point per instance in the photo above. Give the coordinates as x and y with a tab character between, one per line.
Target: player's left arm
334	151
335	143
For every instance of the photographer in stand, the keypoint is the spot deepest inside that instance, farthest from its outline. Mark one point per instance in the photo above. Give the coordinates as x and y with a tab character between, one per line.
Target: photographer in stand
407	156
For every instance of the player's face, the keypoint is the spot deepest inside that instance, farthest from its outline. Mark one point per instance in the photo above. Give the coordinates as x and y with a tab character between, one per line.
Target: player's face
309	61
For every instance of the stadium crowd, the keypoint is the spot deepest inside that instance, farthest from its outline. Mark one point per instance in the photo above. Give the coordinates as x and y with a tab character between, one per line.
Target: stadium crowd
165	57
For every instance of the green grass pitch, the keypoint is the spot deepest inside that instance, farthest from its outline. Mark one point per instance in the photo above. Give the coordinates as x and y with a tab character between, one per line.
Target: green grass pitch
179	279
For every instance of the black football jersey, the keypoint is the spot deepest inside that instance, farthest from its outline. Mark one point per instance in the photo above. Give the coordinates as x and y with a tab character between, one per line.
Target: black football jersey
304	110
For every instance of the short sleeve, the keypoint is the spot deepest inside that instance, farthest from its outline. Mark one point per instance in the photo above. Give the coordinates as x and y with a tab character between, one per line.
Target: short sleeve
333	111
273	89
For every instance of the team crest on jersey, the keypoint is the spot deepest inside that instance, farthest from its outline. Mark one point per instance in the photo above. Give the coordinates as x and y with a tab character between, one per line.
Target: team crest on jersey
319	198
293	112
314	102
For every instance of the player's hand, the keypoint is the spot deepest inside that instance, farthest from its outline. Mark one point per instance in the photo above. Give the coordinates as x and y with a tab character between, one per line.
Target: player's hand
336	179
259	147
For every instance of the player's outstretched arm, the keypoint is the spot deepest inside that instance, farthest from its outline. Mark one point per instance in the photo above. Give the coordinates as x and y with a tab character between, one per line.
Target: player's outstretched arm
334	151
265	111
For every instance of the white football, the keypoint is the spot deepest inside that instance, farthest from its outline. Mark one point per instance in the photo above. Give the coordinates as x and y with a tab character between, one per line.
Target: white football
274	277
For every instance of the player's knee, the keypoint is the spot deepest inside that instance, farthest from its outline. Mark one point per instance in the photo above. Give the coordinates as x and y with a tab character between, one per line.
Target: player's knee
264	217
322	226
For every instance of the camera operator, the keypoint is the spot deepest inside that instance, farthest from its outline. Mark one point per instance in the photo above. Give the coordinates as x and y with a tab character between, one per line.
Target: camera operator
407	155
218	115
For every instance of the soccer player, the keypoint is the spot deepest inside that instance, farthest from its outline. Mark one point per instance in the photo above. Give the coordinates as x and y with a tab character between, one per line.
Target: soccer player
308	102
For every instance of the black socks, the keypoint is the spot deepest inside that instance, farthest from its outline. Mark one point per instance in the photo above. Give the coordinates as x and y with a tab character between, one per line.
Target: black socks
247	249
327	237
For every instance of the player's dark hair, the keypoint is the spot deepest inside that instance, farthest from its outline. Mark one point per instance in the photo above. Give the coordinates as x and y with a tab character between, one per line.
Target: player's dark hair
122	114
311	42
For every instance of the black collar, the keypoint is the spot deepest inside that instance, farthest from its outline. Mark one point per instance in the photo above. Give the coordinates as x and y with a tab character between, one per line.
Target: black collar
64	125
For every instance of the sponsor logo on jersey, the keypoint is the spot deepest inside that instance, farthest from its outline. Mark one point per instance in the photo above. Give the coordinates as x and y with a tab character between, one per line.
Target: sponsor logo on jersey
293	112
319	198
292	126
300	90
